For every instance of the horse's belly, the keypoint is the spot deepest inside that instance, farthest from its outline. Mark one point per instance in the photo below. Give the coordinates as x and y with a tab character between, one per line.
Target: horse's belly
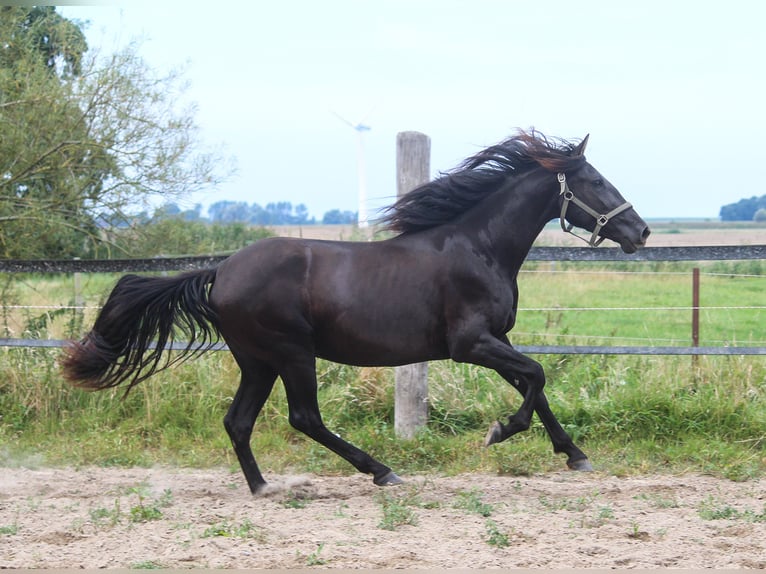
379	347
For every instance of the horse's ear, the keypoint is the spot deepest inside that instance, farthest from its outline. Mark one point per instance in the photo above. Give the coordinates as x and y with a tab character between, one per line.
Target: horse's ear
580	149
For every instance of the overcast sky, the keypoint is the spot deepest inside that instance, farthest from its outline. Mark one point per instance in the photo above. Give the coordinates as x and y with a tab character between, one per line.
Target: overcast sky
671	92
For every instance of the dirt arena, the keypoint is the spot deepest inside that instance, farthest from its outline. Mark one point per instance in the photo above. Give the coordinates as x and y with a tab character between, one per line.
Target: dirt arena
180	518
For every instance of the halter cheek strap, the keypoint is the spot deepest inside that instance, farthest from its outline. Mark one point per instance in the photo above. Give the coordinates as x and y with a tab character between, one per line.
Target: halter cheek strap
601	219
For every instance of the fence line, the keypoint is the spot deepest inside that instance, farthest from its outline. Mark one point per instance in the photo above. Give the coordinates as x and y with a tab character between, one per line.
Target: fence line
521	309
695	253
527	349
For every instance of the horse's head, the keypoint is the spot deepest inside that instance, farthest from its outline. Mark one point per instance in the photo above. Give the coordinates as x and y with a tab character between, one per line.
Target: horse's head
589	201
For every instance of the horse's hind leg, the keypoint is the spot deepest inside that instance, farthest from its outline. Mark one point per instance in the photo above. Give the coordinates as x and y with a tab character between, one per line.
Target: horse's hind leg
301	388
255	387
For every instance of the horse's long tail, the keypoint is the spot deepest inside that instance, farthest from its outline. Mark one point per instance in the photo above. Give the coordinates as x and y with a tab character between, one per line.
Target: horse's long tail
141	316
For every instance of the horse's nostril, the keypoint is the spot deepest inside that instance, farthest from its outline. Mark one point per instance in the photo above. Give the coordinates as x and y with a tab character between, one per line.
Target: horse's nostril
646	233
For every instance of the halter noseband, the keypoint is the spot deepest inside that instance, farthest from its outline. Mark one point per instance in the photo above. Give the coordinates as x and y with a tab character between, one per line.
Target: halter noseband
601	220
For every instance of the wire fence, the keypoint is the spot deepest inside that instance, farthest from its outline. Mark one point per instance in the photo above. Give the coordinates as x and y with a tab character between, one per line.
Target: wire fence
539	254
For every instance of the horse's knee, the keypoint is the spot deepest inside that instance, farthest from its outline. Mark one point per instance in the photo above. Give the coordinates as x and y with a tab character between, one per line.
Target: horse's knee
307	423
535	374
238	432
518	424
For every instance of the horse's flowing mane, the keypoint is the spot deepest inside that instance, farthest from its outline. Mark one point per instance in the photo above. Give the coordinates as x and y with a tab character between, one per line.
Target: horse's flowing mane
456	191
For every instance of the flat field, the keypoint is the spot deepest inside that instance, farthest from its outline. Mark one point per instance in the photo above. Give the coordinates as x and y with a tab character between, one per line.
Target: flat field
665	233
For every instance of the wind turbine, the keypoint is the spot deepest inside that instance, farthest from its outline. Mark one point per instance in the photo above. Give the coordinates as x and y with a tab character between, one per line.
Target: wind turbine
360	128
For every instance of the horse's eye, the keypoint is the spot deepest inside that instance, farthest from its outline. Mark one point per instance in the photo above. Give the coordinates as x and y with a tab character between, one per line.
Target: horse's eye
598	183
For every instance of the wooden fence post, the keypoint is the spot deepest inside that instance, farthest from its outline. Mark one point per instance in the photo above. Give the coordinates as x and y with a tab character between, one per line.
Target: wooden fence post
695	316
413	159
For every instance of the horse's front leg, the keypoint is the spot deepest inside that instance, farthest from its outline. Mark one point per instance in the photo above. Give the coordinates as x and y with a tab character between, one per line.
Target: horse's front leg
519	370
528	377
562	442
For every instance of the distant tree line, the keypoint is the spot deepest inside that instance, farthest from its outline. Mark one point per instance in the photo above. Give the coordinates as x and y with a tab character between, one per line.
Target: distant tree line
171	230
278	213
752	209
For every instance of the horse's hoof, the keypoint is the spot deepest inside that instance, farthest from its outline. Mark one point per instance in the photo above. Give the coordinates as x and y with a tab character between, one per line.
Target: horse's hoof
495	434
260	489
582	465
390	479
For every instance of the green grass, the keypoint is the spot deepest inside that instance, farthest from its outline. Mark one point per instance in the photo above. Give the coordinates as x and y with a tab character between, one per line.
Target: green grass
471	501
646	305
631	414
245	530
712	509
9	530
397	509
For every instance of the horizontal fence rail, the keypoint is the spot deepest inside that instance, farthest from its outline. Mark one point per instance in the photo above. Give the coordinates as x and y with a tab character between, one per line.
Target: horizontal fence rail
526	349
694	253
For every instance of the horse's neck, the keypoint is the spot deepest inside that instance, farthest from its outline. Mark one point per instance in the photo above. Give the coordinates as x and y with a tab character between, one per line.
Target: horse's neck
518	212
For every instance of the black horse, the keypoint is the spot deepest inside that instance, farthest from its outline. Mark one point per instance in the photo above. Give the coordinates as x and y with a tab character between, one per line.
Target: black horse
444	287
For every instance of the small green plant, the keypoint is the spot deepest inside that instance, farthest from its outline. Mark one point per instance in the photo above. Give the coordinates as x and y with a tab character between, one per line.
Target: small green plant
295	500
142	513
9	530
658	501
218	529
147	565
313	559
146	512
595	519
710	509
636	533
340	511
396	511
106	516
604	514
496	537
471	501
571	504
225	529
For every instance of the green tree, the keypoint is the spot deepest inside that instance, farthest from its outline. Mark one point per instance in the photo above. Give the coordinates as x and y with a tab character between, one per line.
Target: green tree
85	139
743	210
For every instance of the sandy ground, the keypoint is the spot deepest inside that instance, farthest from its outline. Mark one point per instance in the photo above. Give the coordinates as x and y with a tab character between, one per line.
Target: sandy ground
181	518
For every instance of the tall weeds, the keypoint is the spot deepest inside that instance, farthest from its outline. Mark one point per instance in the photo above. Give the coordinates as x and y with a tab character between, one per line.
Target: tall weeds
631	414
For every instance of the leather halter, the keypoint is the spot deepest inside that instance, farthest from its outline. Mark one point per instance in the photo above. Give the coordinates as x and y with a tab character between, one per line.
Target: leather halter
601	219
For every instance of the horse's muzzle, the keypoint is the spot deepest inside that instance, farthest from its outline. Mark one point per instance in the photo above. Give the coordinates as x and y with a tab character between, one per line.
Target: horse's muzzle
630	246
